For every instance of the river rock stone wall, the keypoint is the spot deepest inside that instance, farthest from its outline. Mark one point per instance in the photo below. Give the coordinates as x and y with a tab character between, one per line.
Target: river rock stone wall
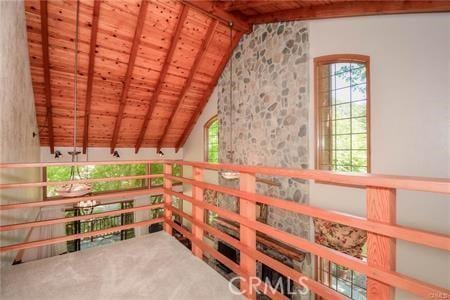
270	114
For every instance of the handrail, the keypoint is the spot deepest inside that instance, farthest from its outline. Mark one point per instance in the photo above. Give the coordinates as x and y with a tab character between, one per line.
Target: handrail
436	185
90	180
401	281
381	195
79	163
141	192
115	212
40	243
426	238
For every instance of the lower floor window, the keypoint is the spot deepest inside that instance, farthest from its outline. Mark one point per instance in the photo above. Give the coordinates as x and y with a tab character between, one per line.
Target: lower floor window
345	281
95	224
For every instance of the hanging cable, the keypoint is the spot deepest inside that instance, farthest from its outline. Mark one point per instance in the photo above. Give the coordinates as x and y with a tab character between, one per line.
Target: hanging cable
75	91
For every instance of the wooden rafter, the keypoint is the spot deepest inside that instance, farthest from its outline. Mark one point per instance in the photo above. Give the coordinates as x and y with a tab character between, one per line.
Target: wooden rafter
210	8
162	76
129	73
47	82
350	9
209	91
90	78
198	59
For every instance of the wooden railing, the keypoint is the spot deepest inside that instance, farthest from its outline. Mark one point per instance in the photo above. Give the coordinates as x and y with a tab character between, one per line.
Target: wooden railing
380	223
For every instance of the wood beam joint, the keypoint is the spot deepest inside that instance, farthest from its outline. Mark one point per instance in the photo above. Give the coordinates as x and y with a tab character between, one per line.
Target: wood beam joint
212	10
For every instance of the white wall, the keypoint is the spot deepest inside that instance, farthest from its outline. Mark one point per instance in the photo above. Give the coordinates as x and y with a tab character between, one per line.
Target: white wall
410	56
17	122
193	149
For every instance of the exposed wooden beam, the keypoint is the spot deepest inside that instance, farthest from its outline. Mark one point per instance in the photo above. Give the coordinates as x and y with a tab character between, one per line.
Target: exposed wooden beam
47	82
132	59
162	76
351	9
209	91
198	59
210	8
90	79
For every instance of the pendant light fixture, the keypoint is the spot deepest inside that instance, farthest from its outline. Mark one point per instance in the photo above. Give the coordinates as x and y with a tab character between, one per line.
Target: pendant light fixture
231	175
76	189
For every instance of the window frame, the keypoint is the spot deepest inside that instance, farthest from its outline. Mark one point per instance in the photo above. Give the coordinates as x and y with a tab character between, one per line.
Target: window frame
331	59
206	136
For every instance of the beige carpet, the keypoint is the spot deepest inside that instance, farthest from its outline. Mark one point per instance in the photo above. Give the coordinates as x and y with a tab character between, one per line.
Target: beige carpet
154	266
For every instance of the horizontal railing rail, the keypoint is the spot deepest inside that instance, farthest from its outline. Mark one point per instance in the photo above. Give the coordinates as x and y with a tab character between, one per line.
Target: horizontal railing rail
118	194
52	241
408	234
64	201
436	185
116	212
89	180
380	225
380	190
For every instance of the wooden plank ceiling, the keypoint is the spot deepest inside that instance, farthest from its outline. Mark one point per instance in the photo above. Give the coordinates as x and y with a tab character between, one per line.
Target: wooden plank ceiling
146	68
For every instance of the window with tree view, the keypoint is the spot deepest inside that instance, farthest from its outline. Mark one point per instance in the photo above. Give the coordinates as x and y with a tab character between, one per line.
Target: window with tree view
342	113
62	173
212	140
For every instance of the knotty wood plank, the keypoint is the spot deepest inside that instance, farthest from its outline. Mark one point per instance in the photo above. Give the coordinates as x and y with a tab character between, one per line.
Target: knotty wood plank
90	79
132	59
198	60
209	8
46	62
162	77
209	91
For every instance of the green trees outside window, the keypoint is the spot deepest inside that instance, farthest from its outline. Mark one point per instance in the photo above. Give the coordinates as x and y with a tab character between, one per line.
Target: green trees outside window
342	114
212	140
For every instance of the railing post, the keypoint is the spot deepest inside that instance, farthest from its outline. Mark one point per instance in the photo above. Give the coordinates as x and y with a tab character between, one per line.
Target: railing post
247	209
197	212
381	207
167	199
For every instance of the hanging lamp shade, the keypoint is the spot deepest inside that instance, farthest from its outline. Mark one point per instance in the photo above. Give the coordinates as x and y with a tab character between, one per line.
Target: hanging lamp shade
231	175
73	190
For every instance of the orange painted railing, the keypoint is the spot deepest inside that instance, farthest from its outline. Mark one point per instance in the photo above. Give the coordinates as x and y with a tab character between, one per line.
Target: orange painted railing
380	223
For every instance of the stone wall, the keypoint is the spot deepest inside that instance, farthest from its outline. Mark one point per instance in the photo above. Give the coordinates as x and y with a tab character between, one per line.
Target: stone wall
270	113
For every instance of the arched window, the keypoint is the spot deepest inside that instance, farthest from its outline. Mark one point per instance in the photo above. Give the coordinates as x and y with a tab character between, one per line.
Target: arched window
212	140
342	110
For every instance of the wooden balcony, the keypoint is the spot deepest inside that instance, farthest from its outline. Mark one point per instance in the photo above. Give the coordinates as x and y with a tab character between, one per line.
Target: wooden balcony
380	224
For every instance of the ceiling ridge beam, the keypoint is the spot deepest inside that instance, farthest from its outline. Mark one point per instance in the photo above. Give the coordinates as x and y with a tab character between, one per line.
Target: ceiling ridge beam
129	73
162	76
46	63
210	8
198	59
90	80
351	9
209	91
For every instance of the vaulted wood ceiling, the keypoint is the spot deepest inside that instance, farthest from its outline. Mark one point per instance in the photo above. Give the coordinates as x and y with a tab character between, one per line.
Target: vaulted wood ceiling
146	68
